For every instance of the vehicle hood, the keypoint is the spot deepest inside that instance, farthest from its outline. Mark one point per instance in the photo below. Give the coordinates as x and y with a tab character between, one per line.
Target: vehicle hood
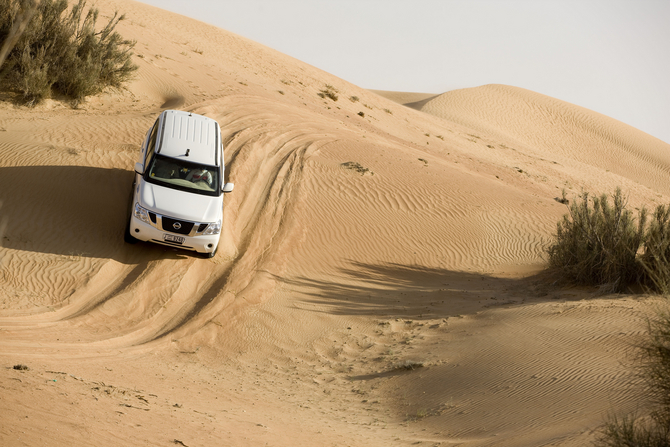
180	204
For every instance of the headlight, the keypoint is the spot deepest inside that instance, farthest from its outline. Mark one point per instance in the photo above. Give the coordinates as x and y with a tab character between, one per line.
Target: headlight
213	228
141	213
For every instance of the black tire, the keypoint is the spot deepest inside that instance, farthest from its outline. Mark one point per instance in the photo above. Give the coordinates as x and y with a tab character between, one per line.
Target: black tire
127	237
210	255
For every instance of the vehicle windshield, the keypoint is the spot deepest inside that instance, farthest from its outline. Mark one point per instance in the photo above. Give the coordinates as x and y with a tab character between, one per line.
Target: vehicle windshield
183	175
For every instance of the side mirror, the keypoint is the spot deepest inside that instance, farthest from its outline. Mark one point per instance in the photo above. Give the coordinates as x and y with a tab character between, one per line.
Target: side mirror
139	168
228	187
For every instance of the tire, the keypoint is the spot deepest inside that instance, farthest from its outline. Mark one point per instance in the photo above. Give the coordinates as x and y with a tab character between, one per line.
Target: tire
127	237
210	255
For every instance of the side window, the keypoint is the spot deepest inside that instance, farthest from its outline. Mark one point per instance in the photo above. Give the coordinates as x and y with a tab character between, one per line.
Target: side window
151	146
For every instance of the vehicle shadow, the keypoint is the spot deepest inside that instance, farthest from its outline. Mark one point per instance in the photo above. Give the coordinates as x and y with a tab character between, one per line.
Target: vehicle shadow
67	210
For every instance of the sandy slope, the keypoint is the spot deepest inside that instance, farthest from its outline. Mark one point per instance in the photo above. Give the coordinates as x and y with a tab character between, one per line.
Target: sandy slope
363	240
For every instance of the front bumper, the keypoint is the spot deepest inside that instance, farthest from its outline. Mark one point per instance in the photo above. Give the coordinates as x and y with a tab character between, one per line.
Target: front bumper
145	232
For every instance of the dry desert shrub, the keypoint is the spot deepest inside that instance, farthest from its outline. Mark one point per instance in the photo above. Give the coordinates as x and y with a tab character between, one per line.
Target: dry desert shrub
329	92
655	358
634	431
355	166
603	244
597	242
656	257
652	430
63	51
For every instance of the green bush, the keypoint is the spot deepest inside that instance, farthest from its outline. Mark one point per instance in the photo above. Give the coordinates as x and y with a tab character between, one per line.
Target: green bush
597	242
62	51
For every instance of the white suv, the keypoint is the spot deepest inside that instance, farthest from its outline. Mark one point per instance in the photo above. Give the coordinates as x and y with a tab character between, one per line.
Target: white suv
177	197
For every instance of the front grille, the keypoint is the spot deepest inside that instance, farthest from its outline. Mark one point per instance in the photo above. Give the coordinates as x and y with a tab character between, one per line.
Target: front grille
202	227
169	225
152	216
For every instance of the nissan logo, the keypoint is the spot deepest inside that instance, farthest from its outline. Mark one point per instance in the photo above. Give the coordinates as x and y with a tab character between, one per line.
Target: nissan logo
176	225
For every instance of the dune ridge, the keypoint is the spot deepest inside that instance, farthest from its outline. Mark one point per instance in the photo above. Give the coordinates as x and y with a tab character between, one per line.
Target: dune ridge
549	126
380	276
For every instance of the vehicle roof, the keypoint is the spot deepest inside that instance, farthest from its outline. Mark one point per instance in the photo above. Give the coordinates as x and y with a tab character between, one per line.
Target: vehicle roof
184	130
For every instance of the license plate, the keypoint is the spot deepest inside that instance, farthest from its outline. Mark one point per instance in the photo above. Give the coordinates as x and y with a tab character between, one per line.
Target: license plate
173	238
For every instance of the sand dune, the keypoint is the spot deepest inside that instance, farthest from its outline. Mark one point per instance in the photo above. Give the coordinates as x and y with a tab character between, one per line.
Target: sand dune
545	126
379	280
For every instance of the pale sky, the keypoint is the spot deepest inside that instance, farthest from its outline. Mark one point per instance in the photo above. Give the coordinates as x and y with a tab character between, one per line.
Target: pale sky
611	56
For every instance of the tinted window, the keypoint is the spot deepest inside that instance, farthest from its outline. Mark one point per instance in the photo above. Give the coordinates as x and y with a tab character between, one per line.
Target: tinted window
184	175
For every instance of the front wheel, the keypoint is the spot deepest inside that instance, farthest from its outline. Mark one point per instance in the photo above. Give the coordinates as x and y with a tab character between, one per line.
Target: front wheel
211	254
127	237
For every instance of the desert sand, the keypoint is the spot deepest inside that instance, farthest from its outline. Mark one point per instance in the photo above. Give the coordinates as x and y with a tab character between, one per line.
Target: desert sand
382	272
